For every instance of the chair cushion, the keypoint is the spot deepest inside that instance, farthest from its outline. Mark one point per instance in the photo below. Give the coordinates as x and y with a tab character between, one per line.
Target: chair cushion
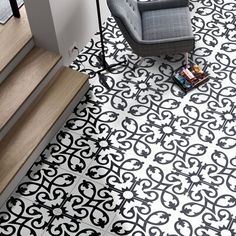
166	23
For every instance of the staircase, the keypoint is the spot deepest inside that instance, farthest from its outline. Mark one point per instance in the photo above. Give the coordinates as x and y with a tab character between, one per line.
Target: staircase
37	94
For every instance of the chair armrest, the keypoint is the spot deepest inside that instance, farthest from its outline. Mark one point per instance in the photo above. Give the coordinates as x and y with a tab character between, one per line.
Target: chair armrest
161	4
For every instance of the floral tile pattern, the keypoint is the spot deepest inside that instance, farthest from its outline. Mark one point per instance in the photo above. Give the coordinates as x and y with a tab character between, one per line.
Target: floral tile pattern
46	184
141	158
22	217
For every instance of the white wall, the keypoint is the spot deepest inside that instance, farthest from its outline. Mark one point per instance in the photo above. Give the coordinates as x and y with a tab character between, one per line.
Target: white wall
73	21
41	24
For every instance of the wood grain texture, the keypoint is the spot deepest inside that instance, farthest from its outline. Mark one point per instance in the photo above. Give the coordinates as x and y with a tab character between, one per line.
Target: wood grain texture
13	37
18	145
1	28
23	81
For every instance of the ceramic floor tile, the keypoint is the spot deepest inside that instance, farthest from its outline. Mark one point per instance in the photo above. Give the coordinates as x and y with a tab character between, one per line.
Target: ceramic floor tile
20	216
91	113
92	203
70	151
66	226
109	234
139	222
142	158
110	164
47	184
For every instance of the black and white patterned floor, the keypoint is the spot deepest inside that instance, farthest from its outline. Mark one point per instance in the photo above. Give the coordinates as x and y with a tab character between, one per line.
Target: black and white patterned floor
141	159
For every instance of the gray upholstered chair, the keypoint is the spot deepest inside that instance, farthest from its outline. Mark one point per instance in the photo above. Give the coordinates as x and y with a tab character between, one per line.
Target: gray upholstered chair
155	27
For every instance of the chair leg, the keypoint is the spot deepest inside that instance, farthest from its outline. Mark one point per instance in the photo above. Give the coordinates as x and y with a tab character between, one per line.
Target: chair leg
186	59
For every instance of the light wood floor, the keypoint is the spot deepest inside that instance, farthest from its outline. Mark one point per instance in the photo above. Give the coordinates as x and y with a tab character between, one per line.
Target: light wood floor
1	27
23	81
13	36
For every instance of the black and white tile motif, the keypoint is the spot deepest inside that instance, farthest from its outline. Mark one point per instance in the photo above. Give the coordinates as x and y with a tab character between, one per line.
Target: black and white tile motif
142	158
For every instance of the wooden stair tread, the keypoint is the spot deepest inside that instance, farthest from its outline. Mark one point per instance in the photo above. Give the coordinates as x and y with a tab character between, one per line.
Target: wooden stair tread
26	135
24	79
1	28
14	36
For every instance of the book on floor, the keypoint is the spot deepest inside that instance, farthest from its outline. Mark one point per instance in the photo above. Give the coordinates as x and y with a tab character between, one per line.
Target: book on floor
190	77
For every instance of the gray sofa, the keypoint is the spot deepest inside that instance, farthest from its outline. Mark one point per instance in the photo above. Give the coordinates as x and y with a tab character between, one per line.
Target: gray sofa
154	27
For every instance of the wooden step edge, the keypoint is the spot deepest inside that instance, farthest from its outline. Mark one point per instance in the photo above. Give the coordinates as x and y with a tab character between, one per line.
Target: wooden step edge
50	76
20	83
10	61
16	60
27	37
1	28
6	71
7	188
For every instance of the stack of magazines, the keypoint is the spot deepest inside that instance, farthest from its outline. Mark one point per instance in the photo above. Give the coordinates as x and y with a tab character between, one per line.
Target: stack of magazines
190	77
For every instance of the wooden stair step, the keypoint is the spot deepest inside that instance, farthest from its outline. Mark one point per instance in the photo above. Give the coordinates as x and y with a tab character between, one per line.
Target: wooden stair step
19	144
1	28
13	37
23	81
